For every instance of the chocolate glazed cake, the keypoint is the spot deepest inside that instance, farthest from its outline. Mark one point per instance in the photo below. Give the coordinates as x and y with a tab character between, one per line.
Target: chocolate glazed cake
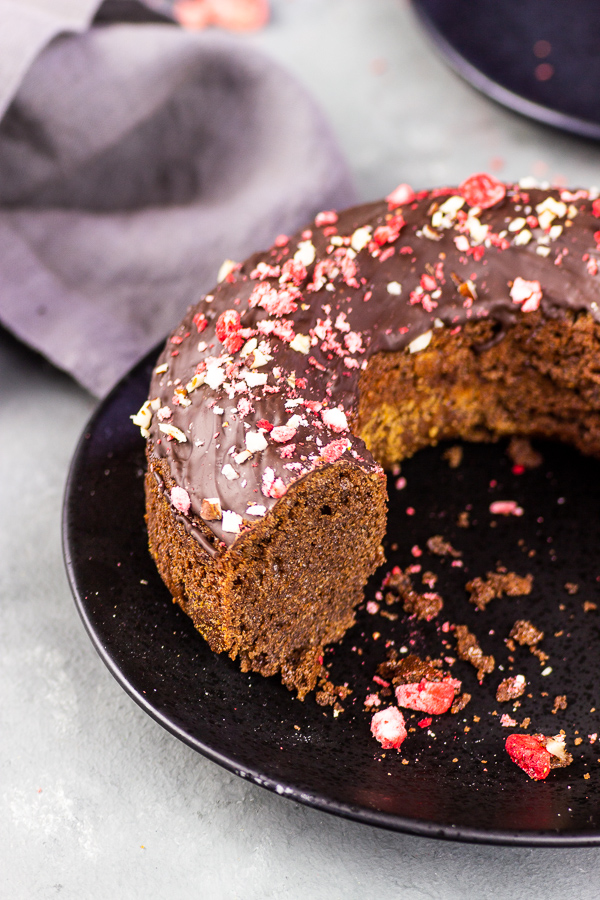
282	396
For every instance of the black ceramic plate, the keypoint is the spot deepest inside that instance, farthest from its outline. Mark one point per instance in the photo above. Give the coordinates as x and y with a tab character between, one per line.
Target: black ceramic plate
538	57
458	782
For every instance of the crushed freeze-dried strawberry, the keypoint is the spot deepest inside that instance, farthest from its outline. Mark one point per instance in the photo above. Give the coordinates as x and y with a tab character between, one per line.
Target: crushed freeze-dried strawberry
228	330
425	723
401	195
327	217
236	15
482	190
282	433
388	727
293	271
180	499
526	293
262	423
433	697
332	451
505	508
372	700
281	328
335	419
200	321
388	233
529	754
276	303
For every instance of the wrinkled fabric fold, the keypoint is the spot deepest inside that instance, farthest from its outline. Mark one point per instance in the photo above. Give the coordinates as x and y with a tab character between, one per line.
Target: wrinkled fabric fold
133	160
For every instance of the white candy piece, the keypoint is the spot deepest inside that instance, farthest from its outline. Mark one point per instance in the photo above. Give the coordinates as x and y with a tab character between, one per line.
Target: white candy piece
361	238
301	343
256	510
255	441
305	253
231	521
227	266
421	342
173	432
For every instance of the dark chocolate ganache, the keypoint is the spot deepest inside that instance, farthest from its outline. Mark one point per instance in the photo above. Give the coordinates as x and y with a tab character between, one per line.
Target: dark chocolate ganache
258	385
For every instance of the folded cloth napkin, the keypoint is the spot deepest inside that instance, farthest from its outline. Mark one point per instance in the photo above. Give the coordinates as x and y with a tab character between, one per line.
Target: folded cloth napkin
133	160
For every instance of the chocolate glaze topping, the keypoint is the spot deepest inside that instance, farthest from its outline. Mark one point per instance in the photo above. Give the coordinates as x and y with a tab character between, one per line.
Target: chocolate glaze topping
259	384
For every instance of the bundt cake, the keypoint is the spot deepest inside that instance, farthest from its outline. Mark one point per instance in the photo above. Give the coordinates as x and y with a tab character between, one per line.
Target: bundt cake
284	394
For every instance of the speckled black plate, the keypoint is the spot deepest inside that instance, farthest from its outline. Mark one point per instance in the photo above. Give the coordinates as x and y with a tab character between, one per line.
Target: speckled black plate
458	782
538	57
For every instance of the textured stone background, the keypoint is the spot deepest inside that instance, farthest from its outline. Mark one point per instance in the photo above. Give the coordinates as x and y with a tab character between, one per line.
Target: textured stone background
96	800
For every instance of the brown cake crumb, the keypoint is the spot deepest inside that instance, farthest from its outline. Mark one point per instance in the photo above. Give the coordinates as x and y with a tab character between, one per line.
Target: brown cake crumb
440	547
454	456
430	579
329	694
410	669
525	633
571	587
560	756
463	519
588	606
468	649
560	702
460	703
424	606
510	688
522	454
496	585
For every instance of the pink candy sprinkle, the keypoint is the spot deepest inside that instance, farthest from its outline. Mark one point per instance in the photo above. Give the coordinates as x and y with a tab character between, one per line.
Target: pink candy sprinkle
434	697
505	508
527	293
327	217
335	419
180	500
401	195
388	727
332	452
282	433
372	700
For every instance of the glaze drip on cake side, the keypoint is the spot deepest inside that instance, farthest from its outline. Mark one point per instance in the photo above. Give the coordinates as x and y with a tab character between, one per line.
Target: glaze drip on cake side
258	386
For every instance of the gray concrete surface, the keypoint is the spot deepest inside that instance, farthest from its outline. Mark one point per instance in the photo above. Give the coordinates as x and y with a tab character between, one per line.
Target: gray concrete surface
96	800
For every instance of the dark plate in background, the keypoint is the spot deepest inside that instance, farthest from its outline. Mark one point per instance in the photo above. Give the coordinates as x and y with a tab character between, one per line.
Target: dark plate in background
538	57
247	723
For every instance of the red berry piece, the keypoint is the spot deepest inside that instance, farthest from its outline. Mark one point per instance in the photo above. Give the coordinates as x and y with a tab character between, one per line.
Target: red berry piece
228	328
482	190
434	697
529	754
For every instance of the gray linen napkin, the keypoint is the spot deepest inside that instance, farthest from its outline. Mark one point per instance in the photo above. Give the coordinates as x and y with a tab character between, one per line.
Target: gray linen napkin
133	160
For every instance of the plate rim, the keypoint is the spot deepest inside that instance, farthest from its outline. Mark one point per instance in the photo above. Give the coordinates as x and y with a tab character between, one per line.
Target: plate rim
315	800
545	115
